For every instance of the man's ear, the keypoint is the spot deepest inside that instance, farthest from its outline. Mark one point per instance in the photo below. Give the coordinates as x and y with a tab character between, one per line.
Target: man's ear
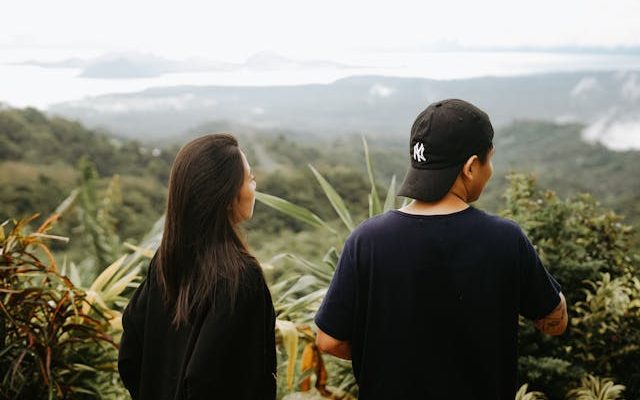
469	167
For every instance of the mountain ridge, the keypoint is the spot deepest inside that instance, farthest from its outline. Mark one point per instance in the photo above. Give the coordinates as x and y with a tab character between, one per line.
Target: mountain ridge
376	105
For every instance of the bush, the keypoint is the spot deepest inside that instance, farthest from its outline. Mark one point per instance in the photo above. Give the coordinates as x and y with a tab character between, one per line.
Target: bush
55	343
592	254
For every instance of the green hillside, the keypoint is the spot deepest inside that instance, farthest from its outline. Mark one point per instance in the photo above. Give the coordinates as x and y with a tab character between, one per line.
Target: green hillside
40	159
561	161
373	104
121	186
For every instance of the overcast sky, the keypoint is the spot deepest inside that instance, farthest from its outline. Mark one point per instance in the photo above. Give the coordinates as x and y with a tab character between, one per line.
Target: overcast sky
234	29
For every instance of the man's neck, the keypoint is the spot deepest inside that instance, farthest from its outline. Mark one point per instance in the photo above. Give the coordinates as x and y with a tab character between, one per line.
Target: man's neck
449	204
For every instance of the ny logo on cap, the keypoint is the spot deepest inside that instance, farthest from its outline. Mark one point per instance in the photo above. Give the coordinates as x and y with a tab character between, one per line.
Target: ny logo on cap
418	152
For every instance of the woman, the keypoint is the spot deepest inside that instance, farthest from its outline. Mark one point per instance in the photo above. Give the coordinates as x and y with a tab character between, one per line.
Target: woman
201	326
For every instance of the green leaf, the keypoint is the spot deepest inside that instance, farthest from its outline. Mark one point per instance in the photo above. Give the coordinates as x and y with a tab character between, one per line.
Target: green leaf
304	302
276	288
301	284
390	201
335	200
107	275
68	202
292	210
331	258
119	286
374	199
322	271
405	202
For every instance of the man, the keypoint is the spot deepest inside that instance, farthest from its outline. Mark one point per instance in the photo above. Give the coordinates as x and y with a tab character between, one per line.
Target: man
425	299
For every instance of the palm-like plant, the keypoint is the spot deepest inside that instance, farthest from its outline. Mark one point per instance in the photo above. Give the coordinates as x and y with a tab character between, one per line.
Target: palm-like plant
298	294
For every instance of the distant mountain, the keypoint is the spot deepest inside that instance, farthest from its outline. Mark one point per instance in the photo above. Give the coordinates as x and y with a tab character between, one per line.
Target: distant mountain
608	102
119	66
130	65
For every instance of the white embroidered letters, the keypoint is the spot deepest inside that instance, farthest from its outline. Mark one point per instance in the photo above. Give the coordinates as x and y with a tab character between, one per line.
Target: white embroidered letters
418	152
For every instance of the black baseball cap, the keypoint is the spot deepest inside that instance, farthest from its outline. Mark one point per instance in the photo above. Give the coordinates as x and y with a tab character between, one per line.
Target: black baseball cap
443	137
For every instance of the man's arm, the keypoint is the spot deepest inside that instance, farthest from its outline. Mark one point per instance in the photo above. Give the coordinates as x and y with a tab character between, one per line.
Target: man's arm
555	323
335	347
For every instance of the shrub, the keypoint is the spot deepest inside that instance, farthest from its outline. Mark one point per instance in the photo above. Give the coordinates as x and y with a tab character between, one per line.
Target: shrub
55	344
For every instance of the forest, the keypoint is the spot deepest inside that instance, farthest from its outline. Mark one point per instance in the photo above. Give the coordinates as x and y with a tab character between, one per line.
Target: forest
81	212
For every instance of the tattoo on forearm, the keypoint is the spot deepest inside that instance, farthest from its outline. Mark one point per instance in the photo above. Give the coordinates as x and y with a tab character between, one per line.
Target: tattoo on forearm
553	324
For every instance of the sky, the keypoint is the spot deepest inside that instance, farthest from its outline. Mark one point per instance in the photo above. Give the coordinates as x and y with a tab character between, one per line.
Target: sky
177	42
233	30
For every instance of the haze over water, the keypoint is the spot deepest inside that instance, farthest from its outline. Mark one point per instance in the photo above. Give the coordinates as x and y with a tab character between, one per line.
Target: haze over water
30	85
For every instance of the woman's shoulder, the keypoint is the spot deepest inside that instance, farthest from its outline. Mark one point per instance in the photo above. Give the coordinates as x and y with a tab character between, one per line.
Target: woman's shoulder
252	275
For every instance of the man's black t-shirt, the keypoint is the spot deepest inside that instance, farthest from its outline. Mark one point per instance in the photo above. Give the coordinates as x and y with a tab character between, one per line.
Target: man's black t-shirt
430	304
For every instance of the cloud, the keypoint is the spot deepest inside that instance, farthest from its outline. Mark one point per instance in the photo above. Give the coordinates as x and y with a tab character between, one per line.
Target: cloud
586	85
614	132
270	61
258	111
67	63
381	91
631	88
111	104
566	119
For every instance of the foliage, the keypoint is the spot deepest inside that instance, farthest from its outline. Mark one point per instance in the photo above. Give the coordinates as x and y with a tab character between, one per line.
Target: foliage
592	254
59	339
594	388
607	328
298	292
523	394
30	136
39	166
587	247
581	243
297	295
548	374
292	183
559	158
39	156
97	226
54	343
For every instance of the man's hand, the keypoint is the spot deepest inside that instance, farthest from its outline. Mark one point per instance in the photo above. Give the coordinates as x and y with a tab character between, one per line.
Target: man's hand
335	347
555	323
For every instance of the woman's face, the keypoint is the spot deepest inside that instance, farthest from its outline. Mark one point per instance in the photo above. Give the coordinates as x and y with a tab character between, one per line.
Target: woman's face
246	199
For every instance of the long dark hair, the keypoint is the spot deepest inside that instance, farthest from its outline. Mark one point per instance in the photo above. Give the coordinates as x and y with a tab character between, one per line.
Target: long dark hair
201	251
